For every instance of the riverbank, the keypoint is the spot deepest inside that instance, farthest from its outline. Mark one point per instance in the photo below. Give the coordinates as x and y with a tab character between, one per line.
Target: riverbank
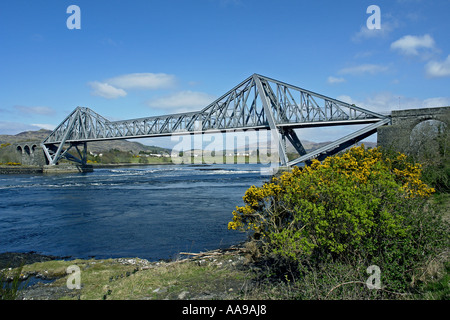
121	165
209	276
68	168
47	169
21	170
221	274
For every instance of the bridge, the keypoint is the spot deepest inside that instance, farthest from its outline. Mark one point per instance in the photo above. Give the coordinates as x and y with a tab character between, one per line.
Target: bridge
257	103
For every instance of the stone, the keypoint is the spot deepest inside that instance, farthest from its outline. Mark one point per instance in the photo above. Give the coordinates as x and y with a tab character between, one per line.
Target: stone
183	295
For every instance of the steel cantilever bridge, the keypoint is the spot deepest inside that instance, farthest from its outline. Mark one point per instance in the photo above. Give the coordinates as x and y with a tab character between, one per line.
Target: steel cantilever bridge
258	103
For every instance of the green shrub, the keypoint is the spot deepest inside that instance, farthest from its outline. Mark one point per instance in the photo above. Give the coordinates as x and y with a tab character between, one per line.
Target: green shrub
9	289
361	207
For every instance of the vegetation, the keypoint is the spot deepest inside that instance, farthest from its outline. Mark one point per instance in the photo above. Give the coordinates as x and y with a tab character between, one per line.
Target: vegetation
11	163
115	156
10	283
211	276
6	155
322	226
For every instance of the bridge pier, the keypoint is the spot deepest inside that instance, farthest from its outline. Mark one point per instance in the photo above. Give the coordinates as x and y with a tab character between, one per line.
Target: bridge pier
67	168
55	152
414	131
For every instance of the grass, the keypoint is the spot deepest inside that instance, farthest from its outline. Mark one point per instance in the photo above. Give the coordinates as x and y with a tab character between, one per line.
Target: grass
10	283
213	279
438	289
226	276
217	277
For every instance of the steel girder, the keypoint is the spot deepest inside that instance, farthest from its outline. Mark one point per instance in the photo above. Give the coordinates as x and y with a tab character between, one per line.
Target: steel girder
256	103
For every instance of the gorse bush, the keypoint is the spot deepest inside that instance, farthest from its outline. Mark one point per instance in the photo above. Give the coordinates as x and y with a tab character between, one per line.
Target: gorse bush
363	205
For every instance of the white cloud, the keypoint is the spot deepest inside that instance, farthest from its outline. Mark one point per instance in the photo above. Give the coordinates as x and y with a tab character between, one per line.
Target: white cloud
382	102
45	126
364	68
413	45
365	33
436	69
437	102
115	87
106	90
334	80
385	102
182	101
12	128
345	98
35	110
151	81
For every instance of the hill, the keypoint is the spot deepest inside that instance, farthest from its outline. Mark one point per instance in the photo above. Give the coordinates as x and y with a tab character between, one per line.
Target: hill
94	147
39	135
135	147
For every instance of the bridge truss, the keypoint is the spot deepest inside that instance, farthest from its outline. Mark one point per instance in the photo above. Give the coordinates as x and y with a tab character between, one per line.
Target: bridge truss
258	103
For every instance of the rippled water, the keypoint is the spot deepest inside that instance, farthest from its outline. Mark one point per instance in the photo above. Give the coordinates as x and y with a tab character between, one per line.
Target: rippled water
151	212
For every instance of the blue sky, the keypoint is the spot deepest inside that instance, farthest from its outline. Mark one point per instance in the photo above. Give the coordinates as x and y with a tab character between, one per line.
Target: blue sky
142	58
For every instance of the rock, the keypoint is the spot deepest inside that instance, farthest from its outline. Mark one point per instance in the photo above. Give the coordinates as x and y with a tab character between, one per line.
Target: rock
183	295
160	290
45	292
15	259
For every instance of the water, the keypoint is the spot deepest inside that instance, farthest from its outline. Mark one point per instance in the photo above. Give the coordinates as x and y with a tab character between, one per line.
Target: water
151	212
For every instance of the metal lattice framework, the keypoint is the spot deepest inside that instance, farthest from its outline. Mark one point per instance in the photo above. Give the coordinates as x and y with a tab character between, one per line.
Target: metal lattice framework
256	103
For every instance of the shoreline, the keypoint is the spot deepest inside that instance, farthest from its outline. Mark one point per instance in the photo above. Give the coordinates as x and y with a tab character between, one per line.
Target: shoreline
112	165
15	259
24	169
45	277
88	168
21	169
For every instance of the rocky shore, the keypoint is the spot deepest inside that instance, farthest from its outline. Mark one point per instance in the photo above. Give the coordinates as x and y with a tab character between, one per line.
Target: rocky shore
215	274
21	170
16	259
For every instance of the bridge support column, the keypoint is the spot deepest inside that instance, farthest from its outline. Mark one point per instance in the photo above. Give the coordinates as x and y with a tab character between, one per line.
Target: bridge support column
294	140
55	153
277	136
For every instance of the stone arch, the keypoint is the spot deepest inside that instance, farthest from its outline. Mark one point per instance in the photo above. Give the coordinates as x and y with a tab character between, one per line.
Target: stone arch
27	150
33	148
425	136
19	150
406	125
423	118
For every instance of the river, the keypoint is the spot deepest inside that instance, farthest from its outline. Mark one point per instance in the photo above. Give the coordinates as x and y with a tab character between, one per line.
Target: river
150	212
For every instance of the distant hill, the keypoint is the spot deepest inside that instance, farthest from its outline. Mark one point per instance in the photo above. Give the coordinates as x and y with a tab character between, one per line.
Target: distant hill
95	147
308	145
133	146
311	146
39	135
